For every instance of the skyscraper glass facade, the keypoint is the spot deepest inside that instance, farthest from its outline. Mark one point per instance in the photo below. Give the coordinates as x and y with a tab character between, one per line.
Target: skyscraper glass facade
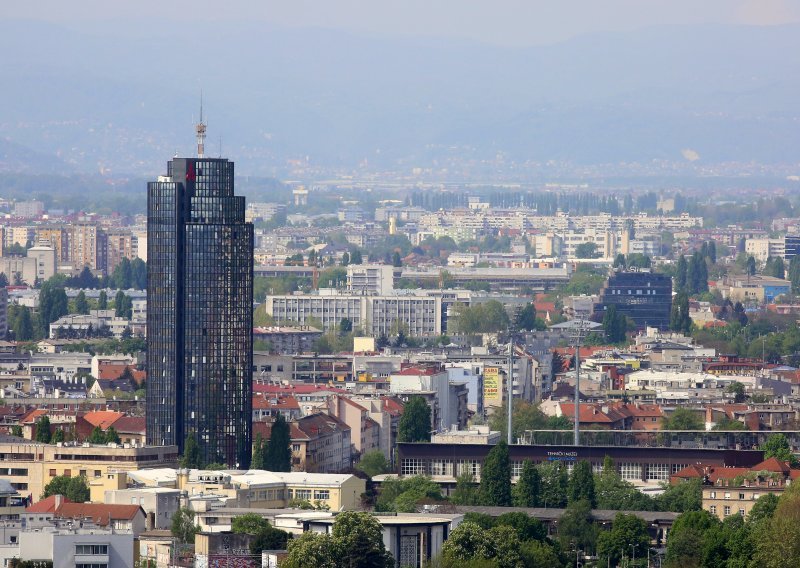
199	316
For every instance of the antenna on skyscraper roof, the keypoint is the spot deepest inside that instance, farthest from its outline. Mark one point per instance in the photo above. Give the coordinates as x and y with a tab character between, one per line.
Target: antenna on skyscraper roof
220	145
200	130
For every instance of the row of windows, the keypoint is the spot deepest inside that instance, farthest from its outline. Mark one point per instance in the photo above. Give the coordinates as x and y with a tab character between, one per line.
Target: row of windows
726	510
91	549
446	467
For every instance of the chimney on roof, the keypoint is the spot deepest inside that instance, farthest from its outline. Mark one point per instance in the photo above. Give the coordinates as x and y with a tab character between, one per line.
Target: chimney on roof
58	500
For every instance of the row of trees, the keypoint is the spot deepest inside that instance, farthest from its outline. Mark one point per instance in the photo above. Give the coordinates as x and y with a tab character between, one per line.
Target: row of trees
691	276
488	317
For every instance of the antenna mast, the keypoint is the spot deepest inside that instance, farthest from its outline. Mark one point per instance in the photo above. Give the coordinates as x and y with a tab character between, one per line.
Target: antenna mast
200	130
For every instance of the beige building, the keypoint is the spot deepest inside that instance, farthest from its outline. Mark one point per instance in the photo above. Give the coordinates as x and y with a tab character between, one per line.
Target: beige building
257	488
88	247
44	257
121	244
734	490
58	238
29	466
364	431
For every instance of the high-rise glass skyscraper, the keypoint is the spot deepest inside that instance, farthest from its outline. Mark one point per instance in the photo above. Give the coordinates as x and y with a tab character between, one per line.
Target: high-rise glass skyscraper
199	311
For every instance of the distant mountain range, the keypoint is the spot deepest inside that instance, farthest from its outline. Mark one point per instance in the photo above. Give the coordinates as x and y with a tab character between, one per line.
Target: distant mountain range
121	98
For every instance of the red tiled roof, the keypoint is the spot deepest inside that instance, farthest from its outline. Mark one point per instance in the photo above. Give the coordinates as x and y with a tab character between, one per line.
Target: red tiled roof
100	513
296	389
102	418
32	416
265	401
46	505
772	464
130	425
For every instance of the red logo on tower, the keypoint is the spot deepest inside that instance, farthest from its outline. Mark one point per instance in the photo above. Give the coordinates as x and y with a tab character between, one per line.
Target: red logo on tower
190	174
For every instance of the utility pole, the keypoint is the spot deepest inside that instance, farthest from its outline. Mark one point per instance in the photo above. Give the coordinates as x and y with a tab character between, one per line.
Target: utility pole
510	389
579	329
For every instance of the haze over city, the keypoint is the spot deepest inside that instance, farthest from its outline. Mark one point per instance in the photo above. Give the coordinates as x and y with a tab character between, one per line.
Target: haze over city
371	284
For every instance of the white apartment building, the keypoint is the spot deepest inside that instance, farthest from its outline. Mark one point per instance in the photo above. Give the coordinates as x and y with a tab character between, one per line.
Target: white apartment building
762	249
418	313
370	278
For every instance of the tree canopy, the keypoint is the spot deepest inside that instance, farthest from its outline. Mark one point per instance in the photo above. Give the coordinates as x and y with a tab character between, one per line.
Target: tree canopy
415	423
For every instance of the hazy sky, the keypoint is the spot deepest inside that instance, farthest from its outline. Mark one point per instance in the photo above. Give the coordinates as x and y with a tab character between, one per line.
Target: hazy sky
507	22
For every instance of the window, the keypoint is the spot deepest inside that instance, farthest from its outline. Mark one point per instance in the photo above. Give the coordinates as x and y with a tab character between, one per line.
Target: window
322	494
727	511
95	565
741	512
630	471
713	509
303	494
712	495
52	473
741	496
91	549
295	447
658	472
727	495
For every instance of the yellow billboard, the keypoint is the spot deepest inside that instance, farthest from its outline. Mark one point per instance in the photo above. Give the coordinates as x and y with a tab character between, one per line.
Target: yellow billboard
491	385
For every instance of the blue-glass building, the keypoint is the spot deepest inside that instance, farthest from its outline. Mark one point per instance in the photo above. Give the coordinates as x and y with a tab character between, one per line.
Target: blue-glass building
199	311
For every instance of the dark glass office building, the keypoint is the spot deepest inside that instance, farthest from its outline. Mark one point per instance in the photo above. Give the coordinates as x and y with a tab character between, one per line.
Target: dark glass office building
645	297
791	247
199	311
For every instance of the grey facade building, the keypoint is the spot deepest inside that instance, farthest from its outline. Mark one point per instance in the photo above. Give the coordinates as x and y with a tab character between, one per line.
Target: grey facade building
199	311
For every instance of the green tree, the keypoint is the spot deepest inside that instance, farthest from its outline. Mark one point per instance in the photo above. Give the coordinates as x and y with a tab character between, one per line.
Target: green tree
373	463
345	259
619	261
112	437
97	436
397	261
415	423
527	491
278	456
776	445
73	488
23	327
679	319
102	301
81	304
139	274
345	326
119	304
496	477
469	544
311	550
750	267
554	484
466	492
122	276
682	419
681	275
58	436
763	509
581	484
402	495
628	533
16	431
681	497
526	527
257	461
586	250
614	493
183	525
359	539
191	453
249	523
576	526
686	539
355	257
43	434
737	390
